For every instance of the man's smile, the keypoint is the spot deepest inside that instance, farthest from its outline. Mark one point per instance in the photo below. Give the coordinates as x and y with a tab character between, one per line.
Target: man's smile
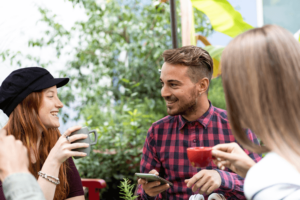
169	103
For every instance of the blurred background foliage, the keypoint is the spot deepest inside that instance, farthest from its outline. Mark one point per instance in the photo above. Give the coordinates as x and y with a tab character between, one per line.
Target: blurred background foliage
114	80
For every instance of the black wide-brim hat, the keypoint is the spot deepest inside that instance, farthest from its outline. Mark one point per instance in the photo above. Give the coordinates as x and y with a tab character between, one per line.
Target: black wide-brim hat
22	82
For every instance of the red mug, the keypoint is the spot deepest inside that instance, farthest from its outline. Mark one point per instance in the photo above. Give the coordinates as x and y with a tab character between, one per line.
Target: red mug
199	156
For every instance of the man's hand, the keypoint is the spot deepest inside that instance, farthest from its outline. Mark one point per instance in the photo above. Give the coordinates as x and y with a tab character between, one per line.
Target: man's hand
206	180
232	156
13	156
153	188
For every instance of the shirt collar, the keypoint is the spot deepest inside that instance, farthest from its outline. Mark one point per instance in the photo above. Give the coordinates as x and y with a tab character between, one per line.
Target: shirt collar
203	120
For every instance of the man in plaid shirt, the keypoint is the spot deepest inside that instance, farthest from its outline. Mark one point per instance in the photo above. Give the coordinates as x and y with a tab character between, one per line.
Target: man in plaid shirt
192	122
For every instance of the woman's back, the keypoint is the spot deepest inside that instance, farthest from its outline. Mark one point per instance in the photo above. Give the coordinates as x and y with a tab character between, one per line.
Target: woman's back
272	178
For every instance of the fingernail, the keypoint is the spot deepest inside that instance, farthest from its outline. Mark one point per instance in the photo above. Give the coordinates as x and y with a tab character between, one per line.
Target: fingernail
219	159
223	168
158	183
219	165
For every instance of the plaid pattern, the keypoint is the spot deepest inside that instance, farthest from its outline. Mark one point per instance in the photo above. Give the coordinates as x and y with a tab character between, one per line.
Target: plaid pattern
165	150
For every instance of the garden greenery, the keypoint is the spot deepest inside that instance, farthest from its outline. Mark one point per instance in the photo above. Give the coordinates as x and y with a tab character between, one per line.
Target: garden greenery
114	80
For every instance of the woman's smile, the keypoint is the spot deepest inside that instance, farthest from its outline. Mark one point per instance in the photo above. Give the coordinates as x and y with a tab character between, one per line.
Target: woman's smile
54	114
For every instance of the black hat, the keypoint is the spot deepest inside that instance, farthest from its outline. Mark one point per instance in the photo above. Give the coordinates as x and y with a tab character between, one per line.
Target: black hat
21	82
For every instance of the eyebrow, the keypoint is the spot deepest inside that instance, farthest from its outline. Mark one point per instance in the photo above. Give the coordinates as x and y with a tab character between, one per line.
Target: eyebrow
47	91
171	81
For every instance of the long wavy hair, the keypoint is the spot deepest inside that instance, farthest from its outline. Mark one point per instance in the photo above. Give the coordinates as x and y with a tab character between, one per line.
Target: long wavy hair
261	79
24	123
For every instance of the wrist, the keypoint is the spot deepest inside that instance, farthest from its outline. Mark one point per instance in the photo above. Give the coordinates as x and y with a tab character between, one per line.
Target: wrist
219	177
51	163
148	197
5	173
248	165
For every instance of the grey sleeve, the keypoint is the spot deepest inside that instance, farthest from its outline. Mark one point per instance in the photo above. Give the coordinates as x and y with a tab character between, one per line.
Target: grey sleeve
22	186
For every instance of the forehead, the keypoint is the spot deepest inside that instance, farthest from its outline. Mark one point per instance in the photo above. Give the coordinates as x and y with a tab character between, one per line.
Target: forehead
174	72
50	89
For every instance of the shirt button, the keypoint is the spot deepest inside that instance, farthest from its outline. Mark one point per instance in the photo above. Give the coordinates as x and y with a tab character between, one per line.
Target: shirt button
194	140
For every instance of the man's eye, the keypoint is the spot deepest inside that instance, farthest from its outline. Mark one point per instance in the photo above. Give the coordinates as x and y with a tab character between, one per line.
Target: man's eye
173	85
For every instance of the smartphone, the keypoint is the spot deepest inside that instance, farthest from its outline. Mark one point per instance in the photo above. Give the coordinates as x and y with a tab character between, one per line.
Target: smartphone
153	177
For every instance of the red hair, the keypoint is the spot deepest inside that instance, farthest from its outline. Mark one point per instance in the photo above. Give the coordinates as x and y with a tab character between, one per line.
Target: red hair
24	123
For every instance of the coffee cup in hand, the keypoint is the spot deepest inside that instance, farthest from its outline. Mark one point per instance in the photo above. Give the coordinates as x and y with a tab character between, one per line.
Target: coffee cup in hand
88	140
199	156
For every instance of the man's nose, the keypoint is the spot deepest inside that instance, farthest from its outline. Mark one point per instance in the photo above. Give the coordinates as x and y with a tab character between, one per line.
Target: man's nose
165	92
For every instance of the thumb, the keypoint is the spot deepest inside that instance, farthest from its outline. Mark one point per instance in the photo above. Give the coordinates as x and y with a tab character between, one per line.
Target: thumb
153	171
223	155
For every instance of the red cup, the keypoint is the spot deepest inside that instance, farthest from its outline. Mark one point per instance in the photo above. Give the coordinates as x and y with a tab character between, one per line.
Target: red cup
199	156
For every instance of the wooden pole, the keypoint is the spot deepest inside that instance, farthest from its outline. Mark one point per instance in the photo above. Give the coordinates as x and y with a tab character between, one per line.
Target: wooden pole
173	23
186	21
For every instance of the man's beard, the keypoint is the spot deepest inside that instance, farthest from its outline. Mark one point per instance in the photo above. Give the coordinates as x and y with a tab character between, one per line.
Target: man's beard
185	109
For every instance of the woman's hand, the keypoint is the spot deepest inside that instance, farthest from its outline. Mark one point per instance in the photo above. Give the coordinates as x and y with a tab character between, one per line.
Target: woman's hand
232	156
63	148
61	151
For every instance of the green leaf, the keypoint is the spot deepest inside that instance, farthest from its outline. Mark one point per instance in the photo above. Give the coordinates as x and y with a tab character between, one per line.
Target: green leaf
125	80
223	17
215	51
136	85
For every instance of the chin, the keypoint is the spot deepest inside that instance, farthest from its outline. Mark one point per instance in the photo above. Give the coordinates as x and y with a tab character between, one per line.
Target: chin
52	126
56	126
171	112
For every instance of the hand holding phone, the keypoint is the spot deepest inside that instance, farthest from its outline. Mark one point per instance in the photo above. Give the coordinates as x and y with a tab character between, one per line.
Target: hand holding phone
153	188
153	177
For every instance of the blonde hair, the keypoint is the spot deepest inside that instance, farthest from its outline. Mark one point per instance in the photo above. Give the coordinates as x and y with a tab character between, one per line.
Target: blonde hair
261	77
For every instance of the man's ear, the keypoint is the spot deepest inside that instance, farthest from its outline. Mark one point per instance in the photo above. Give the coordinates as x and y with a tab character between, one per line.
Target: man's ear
202	85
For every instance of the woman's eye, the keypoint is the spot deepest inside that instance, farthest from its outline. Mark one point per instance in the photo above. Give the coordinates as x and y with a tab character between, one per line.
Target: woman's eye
50	96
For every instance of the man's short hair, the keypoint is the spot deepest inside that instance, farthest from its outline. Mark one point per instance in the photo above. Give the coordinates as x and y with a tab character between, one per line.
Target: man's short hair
197	59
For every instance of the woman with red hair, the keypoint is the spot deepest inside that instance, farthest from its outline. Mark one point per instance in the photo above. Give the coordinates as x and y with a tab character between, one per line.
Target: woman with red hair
28	96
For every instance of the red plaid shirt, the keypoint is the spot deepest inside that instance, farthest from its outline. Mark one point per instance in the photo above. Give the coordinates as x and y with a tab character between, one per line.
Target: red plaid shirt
165	150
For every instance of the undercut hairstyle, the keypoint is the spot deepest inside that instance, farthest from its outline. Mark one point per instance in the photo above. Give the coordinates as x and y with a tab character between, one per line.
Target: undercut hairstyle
197	59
